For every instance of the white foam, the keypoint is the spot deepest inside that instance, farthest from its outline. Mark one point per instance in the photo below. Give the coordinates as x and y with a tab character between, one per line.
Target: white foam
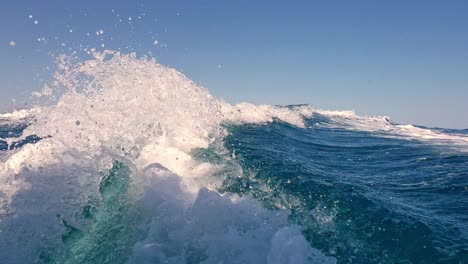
383	126
248	113
206	227
290	246
19	115
152	117
128	106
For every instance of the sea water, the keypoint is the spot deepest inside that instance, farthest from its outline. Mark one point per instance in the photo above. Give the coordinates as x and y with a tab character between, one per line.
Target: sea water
123	160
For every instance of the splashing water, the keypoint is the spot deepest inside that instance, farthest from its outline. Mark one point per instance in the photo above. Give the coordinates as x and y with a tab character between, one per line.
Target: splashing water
115	179
129	161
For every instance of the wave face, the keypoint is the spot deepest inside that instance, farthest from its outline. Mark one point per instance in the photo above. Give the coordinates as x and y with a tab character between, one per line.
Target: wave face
129	161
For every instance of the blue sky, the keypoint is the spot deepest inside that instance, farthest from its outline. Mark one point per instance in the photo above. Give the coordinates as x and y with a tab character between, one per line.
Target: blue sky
404	59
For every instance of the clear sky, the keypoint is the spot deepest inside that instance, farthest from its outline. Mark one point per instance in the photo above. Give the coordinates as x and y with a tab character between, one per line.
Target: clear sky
404	59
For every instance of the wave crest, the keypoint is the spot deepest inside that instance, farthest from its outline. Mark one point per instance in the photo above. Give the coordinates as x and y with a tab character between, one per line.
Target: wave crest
151	118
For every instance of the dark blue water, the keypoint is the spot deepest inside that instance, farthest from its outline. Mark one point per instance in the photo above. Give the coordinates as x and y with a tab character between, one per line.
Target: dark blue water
361	197
358	196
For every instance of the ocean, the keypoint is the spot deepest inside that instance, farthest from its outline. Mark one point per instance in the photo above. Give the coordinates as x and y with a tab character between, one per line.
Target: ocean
124	160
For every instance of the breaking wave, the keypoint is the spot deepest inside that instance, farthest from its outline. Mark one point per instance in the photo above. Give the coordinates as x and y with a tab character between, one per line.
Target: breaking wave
127	161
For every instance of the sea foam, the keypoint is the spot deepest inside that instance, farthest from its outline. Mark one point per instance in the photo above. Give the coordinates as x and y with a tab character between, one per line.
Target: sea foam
151	118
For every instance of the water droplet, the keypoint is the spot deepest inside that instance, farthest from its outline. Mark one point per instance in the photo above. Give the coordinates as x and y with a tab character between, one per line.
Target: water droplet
12	43
36	22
